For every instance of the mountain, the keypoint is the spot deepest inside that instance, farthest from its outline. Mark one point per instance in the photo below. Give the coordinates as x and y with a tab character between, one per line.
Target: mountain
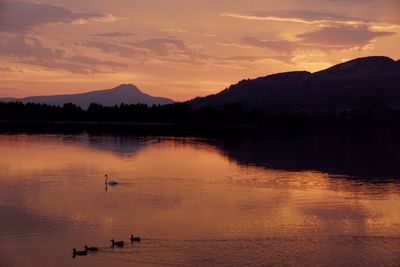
371	82
124	93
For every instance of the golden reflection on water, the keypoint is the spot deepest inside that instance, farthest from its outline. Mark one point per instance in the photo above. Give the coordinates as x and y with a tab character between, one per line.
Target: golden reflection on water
178	189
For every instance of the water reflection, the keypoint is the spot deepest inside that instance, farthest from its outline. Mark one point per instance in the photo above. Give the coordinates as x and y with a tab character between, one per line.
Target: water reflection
363	156
197	201
374	156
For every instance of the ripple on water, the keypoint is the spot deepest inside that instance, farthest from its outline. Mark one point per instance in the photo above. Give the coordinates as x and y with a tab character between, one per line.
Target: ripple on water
273	251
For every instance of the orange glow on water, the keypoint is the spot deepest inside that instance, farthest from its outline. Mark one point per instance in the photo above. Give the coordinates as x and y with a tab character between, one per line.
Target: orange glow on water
173	191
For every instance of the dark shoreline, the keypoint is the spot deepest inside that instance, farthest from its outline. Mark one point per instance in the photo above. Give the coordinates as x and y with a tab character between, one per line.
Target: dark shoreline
194	129
124	127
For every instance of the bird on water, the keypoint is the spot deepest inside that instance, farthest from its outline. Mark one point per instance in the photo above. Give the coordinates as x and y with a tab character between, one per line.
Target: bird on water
135	239
78	252
91	248
117	243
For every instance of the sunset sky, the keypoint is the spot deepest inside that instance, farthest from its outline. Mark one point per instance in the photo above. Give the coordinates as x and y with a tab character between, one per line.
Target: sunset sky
182	49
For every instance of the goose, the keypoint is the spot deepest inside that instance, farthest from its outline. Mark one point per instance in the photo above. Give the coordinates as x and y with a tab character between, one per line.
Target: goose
91	248
78	252
135	239
110	182
117	243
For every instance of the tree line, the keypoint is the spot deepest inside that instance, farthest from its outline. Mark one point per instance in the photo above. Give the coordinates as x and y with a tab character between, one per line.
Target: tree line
173	113
231	113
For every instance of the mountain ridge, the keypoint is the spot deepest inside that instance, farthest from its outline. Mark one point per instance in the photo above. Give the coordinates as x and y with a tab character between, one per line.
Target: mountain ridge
368	82
124	93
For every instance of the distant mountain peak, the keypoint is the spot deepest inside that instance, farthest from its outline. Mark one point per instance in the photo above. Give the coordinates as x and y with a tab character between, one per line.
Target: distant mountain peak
127	87
124	93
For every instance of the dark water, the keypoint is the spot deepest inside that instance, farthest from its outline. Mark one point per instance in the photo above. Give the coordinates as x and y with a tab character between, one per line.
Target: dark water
256	201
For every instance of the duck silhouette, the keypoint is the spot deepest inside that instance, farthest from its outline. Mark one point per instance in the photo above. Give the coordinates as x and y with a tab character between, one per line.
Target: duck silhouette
135	239
91	248
78	252
117	243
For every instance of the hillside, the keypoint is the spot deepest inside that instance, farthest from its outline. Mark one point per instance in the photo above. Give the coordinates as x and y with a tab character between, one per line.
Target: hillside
364	83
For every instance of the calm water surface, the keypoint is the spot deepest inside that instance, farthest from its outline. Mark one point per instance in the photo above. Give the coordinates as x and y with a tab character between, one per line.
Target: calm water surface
193	202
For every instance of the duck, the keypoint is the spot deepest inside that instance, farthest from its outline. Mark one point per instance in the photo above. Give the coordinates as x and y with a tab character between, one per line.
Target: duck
117	243
91	248
135	239
78	252
110	182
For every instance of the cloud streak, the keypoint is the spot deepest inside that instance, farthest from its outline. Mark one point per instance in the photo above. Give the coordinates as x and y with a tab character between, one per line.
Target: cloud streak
19	16
30	50
326	38
9	70
115	48
341	37
308	17
299	16
162	46
169	49
114	34
281	46
27	47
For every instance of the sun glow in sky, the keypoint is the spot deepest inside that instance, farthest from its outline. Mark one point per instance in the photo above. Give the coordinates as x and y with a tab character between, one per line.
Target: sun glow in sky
182	49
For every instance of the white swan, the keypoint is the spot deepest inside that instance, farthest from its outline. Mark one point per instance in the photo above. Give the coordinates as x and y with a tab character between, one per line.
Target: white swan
110	182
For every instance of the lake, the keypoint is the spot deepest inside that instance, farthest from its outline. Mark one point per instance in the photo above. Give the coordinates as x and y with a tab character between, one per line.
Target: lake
200	201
